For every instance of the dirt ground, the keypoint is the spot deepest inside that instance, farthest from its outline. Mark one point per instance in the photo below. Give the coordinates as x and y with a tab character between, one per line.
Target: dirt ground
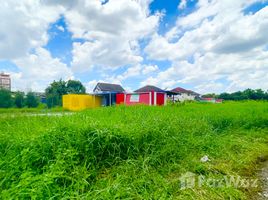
263	175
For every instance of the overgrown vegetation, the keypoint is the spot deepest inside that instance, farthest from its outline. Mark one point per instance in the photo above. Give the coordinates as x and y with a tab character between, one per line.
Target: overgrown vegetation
131	152
5	99
51	98
18	99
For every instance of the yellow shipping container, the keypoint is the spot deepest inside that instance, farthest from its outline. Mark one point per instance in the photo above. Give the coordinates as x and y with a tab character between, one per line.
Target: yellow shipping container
75	102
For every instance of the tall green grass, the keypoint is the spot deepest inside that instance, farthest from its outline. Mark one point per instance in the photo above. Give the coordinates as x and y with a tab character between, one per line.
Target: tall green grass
131	152
30	110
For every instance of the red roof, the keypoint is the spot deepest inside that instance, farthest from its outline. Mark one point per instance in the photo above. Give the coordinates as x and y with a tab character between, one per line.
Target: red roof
180	90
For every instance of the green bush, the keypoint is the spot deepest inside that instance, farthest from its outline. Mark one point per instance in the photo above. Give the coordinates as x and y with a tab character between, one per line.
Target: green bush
31	100
19	99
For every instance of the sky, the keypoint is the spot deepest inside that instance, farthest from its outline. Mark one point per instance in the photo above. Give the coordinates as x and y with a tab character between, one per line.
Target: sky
208	46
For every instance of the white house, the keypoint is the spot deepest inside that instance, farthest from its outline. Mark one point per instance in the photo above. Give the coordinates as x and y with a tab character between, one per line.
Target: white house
181	94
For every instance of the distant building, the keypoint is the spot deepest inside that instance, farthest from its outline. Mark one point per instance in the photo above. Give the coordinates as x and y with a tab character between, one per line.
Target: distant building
107	87
149	88
210	100
147	95
184	95
5	81
108	92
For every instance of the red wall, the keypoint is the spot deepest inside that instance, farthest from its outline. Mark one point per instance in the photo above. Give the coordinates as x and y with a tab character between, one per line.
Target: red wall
160	98
144	99
120	98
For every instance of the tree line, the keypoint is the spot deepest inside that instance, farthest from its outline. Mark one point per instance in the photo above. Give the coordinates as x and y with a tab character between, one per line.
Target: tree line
53	95
18	99
55	91
248	94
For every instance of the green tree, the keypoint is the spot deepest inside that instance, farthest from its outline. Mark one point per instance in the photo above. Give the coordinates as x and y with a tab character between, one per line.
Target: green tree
266	95
57	89
31	100
212	95
19	99
54	93
75	87
53	100
247	94
225	96
260	94
5	99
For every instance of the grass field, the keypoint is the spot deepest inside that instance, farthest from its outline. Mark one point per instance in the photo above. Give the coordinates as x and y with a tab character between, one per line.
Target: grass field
132	152
30	110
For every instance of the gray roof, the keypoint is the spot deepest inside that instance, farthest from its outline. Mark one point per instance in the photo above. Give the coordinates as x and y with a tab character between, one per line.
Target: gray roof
107	87
149	88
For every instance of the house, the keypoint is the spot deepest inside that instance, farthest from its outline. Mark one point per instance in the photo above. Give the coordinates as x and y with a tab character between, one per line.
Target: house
147	95
149	88
108	87
181	94
108	92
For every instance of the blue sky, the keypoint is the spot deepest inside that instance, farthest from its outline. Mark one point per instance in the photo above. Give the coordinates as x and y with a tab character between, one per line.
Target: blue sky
202	45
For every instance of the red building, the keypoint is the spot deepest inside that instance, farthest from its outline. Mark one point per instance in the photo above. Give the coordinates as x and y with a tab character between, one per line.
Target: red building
148	95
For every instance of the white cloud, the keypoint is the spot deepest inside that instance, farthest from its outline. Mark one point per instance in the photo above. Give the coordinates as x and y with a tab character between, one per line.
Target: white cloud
134	72
23	26
183	4
60	28
103	54
209	8
210	87
214	72
212	34
38	70
23	30
111	31
216	48
91	85
149	69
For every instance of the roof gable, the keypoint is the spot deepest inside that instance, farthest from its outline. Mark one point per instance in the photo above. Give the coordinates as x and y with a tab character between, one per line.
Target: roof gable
149	88
107	87
182	90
